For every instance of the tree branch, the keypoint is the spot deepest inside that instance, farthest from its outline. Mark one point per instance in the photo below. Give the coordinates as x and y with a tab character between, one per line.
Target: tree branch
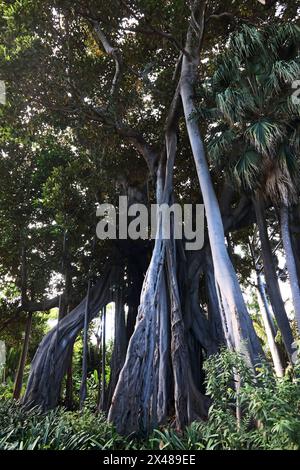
150	30
44	305
112	51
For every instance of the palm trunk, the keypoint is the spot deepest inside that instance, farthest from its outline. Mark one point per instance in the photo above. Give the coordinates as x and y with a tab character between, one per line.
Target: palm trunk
290	261
22	363
272	281
296	251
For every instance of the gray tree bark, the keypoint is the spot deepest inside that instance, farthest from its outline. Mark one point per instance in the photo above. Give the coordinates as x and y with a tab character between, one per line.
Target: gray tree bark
103	363
290	261
51	359
272	280
83	386
245	338
265	313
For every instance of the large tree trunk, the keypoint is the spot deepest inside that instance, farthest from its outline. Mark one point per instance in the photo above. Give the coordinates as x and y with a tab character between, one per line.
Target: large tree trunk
272	280
69	402
245	338
20	373
131	403
290	261
51	359
140	399
214	314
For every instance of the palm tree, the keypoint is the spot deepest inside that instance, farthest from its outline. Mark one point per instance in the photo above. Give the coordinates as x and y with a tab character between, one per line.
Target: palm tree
256	139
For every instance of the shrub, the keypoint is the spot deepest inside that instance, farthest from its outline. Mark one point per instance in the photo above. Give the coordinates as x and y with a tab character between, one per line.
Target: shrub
269	417
270	409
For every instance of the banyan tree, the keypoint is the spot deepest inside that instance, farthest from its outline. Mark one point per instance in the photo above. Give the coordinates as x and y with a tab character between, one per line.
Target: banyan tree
124	78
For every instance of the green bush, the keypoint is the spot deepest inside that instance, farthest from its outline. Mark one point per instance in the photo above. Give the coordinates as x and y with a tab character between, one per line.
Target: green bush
270	409
57	429
269	417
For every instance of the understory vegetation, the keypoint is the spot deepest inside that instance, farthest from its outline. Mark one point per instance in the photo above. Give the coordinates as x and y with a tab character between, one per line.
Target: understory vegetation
270	408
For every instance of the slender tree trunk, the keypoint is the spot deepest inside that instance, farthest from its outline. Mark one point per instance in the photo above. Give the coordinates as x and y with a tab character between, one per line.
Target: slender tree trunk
290	261
130	408
120	342
265	313
83	386
214	314
103	362
245	337
296	237
22	362
296	251
272	280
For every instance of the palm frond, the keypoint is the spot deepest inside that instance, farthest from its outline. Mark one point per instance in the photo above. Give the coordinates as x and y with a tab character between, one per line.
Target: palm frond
247	42
246	171
295	139
208	113
227	68
278	184
283	72
264	135
286	110
287	159
220	145
233	103
284	35
293	108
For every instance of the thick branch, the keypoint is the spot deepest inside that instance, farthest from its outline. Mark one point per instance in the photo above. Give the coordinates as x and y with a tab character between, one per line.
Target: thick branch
43	306
31	307
113	52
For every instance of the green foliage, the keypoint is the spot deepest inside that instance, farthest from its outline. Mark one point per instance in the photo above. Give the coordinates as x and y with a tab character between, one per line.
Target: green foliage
270	410
257	139
269	417
55	430
6	388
